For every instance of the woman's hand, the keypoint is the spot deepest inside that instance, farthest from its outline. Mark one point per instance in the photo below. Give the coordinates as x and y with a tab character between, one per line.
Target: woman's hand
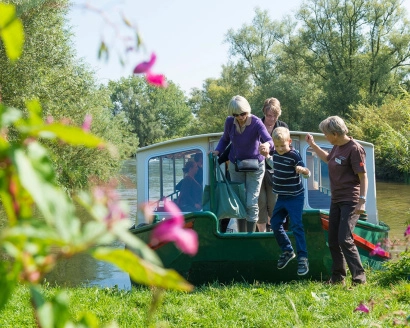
215	152
360	207
309	139
264	149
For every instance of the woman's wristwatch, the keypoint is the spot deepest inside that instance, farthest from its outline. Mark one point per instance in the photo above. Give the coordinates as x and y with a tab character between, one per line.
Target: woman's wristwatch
363	197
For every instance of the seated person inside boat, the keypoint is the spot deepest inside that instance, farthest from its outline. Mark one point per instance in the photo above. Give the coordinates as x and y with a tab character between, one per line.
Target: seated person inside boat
190	190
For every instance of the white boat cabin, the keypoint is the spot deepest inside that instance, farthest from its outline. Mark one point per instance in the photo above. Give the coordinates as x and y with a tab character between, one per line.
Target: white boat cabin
159	169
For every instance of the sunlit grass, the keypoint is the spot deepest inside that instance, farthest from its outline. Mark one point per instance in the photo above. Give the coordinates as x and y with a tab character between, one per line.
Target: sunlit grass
295	304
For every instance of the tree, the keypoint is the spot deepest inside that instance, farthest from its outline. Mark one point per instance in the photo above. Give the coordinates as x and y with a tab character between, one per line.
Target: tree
259	48
155	114
254	46
48	70
388	127
210	104
358	48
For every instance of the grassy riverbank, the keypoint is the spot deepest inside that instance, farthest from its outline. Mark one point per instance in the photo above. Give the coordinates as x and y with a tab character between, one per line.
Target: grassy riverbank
296	304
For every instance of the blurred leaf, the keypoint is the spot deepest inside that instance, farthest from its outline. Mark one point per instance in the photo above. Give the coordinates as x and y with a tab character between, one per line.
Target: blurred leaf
126	21
103	51
51	200
72	135
11	31
52	313
136	244
6	199
9	115
7	283
34	109
139	39
141	271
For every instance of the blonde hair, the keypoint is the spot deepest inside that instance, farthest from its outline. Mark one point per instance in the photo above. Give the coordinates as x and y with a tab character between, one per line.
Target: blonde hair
272	104
281	134
237	105
333	124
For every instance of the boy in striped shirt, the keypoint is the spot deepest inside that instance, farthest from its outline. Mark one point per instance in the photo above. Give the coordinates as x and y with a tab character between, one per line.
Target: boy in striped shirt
287	183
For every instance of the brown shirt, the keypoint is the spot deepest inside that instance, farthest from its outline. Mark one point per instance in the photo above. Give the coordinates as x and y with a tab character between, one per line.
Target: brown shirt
344	163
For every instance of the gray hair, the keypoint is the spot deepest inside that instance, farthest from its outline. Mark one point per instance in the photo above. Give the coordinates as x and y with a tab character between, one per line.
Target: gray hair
237	105
333	124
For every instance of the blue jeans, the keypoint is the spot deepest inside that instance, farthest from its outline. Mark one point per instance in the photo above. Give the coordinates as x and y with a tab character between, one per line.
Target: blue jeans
292	206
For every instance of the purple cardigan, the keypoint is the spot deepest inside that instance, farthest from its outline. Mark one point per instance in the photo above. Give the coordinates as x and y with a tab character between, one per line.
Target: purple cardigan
245	145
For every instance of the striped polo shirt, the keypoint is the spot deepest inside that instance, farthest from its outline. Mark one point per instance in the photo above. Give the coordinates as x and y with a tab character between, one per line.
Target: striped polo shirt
286	181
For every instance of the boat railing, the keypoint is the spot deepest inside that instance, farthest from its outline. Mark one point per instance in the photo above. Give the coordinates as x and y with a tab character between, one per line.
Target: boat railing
159	204
325	190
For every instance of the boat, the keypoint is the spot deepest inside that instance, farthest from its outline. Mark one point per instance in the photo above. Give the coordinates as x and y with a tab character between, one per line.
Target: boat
248	257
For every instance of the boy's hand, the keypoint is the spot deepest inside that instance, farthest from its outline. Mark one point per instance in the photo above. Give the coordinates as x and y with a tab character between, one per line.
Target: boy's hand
300	170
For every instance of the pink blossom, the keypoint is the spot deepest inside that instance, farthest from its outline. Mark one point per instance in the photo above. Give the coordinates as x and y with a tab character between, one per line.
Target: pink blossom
407	232
172	230
145	66
378	251
156	79
108	197
87	123
146	208
362	308
49	119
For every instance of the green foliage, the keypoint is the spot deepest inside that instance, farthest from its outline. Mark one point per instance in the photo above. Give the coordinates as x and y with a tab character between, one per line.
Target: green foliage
49	71
211	104
154	114
358	48
11	31
388	127
395	271
27	170
28	181
332	55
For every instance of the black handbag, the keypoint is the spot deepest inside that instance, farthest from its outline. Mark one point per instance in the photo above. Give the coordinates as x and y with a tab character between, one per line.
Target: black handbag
269	177
268	174
247	165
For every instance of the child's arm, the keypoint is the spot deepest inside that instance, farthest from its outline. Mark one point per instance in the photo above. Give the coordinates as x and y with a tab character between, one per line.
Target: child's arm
269	160
304	171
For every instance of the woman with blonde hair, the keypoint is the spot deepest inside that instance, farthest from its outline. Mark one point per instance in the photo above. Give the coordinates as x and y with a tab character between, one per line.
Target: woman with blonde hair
267	198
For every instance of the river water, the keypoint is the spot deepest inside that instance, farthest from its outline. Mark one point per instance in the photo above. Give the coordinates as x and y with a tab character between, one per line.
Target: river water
393	202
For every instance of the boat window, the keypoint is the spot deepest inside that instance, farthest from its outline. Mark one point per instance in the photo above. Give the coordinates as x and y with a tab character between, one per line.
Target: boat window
318	184
296	143
167	178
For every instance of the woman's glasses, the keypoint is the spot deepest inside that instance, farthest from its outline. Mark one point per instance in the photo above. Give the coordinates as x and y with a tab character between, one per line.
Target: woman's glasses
241	114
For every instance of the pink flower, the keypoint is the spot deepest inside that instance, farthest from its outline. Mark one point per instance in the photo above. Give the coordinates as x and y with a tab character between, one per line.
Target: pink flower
362	308
378	251
172	230
87	123
109	198
407	232
146	208
49	119
146	66
156	79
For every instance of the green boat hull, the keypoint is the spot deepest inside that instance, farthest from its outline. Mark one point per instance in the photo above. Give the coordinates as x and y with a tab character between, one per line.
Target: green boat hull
243	257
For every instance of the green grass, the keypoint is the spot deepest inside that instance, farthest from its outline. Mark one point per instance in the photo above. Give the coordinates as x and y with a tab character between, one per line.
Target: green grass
297	304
